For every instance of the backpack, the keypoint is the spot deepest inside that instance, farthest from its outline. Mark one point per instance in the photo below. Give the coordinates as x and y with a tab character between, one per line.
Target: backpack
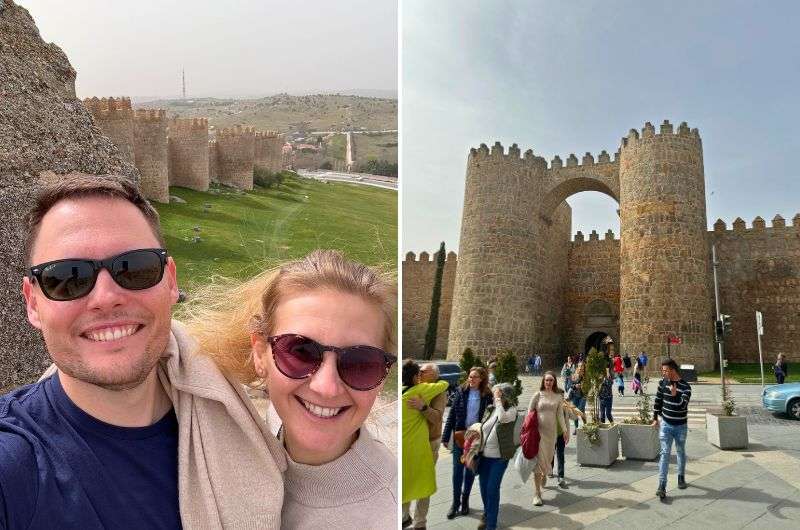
627	361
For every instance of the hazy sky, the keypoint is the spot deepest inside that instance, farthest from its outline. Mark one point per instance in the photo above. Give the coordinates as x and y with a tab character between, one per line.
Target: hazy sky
236	47
573	77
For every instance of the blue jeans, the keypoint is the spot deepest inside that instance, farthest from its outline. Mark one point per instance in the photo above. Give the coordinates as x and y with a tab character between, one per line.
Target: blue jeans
580	404
490	475
605	409
462	477
666	434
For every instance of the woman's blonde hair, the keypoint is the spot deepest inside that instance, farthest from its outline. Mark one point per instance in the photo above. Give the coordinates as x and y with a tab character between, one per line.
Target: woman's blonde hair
223	315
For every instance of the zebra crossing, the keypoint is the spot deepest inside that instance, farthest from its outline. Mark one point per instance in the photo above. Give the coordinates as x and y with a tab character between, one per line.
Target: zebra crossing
626	408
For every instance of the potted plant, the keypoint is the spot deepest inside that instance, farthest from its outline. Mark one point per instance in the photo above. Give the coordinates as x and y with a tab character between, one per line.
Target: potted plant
724	428
639	438
598	443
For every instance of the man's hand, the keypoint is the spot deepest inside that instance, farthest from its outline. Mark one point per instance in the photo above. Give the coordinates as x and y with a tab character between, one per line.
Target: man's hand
416	402
655	423
566	436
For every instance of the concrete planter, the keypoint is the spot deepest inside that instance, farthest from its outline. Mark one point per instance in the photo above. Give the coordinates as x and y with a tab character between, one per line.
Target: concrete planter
639	442
727	432
603	453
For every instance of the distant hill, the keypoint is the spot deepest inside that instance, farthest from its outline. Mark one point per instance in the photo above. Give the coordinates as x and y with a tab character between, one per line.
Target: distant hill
287	113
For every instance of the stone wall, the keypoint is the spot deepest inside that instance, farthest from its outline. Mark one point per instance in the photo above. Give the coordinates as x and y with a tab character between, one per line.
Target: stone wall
593	276
114	116
307	158
152	153
213	161
235	157
188	153
268	151
664	261
759	270
43	127
418	279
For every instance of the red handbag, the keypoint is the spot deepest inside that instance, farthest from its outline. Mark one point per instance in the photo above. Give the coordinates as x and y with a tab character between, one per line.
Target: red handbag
529	436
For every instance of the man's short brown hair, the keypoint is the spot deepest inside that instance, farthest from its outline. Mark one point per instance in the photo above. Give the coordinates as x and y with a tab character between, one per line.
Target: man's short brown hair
56	188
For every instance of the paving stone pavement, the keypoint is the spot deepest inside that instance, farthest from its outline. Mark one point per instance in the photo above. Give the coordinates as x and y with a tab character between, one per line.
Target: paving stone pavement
754	488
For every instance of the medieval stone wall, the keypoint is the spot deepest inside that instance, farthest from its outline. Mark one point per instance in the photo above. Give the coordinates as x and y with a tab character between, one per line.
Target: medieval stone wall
114	116
268	151
235	157
213	161
508	290
759	270
593	276
664	280
188	153
418	278
151	153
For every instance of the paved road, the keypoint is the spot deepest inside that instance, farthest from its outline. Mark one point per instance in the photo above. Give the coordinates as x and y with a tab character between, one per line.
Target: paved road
364	179
754	488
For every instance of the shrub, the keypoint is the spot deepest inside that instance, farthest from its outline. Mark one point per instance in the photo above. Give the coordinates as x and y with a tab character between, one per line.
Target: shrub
467	362
507	370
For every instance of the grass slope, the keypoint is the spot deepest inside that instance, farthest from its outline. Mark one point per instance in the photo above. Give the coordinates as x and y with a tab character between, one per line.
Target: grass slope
243	233
751	373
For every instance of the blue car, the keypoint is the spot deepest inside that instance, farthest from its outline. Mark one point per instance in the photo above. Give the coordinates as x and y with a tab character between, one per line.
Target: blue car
783	398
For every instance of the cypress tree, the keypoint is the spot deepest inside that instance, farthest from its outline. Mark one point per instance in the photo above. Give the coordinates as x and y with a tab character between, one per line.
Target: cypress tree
433	320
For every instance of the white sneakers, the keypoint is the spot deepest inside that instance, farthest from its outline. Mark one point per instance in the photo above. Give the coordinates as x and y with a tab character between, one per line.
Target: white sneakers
537	501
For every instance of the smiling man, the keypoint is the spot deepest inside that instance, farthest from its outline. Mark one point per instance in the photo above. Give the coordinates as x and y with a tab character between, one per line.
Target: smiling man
100	442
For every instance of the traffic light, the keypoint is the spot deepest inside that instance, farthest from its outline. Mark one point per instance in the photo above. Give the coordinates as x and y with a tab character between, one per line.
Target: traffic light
719	330
726	324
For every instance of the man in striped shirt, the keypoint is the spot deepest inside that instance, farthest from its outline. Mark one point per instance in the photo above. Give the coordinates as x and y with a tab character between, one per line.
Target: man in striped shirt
672	406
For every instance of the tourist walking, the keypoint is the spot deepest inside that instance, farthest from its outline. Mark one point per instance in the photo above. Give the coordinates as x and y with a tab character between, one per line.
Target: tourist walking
537	365
781	369
619	368
670	412
566	373
606	398
498	447
636	383
642	361
626	361
548	403
433	414
419	474
469	404
576	394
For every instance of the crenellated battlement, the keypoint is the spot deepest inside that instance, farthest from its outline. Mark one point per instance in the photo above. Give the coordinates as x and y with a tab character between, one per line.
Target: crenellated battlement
149	115
188	124
425	257
758	225
267	134
665	130
587	161
109	107
514	156
594	237
235	132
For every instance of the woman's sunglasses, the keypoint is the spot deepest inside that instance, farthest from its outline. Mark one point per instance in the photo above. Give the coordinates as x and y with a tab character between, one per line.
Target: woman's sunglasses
69	279
360	367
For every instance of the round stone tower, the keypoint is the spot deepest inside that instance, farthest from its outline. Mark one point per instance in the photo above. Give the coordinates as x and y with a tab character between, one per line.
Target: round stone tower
188	153
114	117
496	293
235	157
150	149
665	288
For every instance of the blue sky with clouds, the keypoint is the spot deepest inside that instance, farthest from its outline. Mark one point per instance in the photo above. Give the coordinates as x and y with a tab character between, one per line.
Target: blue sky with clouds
573	77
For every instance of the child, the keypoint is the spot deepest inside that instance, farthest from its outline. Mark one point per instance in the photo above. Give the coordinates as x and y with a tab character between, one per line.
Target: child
636	384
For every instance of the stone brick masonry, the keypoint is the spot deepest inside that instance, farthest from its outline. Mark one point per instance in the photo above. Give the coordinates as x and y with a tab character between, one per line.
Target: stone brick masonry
520	284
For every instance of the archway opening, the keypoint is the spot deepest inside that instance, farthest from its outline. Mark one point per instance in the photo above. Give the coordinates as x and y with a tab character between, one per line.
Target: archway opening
593	210
599	340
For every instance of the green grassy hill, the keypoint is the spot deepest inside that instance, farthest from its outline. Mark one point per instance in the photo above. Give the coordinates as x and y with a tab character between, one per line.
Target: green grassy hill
241	234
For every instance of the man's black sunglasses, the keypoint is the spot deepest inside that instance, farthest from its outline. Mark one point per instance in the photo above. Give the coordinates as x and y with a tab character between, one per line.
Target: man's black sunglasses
69	279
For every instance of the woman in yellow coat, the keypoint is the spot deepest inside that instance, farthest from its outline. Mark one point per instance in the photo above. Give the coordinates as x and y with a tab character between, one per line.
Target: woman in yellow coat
419	475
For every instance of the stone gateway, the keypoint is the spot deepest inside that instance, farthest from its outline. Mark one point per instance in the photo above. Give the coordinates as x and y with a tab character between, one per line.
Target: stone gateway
520	284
